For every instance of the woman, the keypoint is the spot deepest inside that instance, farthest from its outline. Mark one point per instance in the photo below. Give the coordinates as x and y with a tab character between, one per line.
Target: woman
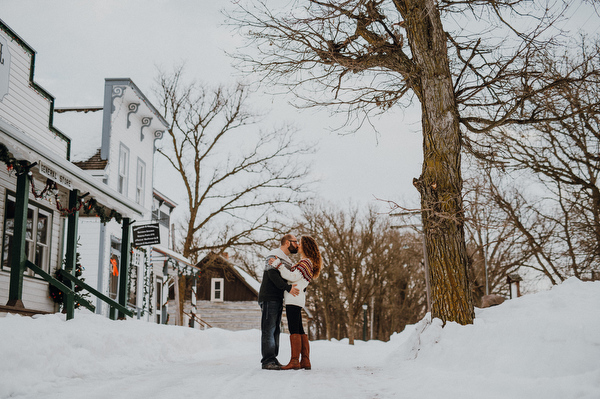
301	274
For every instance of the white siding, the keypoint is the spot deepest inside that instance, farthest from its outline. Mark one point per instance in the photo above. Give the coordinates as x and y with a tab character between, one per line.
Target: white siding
25	107
36	294
89	239
131	138
227	315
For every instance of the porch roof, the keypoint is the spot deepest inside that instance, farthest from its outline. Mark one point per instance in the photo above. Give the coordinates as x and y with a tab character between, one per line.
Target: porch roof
24	147
174	255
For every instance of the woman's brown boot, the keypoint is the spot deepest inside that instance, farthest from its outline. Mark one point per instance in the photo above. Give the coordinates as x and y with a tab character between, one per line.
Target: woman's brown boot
296	344
305	352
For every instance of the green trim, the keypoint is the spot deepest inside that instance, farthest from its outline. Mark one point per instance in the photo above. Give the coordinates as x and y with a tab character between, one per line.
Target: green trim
31	203
96	293
17	263
72	224
125	260
60	286
71	254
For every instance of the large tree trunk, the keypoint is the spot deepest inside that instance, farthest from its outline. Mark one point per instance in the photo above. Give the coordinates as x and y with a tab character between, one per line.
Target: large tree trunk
440	184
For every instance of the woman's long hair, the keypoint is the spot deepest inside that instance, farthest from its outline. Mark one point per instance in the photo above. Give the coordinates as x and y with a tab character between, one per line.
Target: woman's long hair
311	251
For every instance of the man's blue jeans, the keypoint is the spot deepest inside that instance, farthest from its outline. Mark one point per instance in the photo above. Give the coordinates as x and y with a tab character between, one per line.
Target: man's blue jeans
270	329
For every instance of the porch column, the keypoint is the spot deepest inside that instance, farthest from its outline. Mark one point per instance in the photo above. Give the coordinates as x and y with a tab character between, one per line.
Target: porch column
71	252
18	257
124	267
194	290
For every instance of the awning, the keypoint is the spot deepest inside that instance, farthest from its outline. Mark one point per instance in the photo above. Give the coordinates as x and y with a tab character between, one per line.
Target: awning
24	147
173	255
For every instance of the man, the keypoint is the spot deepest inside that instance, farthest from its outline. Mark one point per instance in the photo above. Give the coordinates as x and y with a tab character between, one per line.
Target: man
270	299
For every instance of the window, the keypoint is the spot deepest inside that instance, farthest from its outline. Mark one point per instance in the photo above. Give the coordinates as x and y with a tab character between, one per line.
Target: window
161	217
216	291
140	182
123	169
115	266
134	268
132	286
37	234
159	300
155	209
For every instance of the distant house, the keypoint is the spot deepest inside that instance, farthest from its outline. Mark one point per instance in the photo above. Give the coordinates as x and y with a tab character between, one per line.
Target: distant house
226	296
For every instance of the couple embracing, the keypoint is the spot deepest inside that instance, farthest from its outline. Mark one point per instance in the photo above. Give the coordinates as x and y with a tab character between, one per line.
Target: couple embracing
284	280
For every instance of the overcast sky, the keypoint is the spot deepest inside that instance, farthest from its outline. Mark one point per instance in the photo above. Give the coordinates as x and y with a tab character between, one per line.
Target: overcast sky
79	43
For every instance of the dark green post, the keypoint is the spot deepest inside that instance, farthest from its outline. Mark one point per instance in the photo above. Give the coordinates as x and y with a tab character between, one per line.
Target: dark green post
124	267
17	264
71	252
364	306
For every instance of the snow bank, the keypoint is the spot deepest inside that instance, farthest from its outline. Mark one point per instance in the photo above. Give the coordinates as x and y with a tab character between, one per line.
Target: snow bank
545	345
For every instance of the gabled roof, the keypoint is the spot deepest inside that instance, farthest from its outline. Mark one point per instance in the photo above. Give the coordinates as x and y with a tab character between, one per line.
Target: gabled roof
248	279
173	255
244	277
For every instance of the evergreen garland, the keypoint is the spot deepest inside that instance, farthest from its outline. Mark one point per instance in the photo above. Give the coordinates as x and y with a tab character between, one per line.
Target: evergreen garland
89	206
12	163
148	280
57	295
183	270
132	277
151	292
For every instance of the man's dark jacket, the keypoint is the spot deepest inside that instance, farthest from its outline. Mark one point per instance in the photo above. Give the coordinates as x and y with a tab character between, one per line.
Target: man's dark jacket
273	285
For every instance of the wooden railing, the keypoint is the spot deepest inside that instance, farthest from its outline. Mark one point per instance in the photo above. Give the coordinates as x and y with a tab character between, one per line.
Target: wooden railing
193	316
71	296
111	302
68	292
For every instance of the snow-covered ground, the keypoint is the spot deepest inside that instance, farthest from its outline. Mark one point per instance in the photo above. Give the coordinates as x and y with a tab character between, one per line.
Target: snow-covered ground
545	345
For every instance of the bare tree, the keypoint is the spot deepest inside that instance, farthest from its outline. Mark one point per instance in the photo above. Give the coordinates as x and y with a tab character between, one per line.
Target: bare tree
562	154
546	224
495	245
365	262
365	56
238	177
400	297
536	230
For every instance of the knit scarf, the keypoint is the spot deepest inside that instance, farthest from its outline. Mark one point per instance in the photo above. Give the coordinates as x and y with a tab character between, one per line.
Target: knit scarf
305	267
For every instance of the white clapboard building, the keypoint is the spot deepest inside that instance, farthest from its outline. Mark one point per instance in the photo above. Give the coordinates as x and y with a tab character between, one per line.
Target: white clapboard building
115	143
44	197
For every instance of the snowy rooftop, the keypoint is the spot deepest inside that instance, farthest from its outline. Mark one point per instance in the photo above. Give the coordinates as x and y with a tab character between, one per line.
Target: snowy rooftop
168	252
248	279
84	129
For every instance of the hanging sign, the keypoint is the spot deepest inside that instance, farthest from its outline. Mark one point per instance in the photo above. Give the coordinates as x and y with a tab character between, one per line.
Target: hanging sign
146	234
54	175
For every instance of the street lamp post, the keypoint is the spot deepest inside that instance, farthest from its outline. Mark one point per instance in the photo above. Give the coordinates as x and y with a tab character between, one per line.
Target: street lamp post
364	306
